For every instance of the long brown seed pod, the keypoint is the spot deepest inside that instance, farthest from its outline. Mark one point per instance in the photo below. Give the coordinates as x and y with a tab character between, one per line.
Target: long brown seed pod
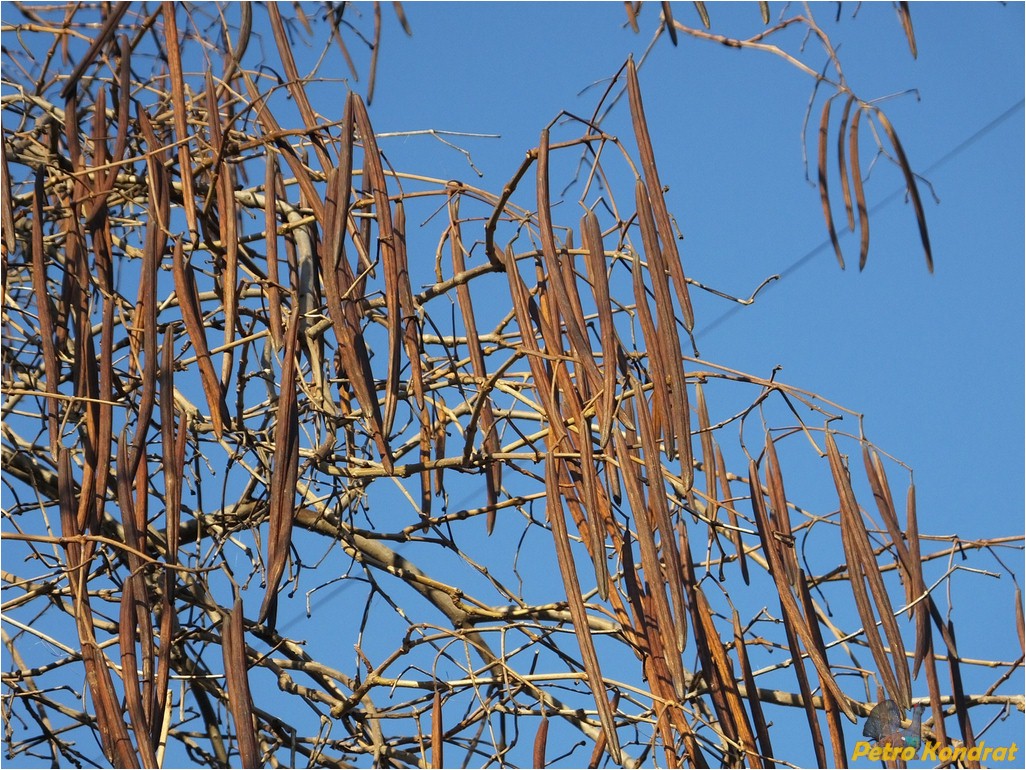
294	83
51	364
612	351
911	185
568	571
540	741
6	203
437	734
833	716
792	614
703	14
486	421
342	292
173	450
414	354
655	194
842	165
672	380
174	63
273	287
905	14
780	515
824	190
236	669
656	351
735	533
188	303
128	637
574	332
374	175
860	193
860	559
924	638
107	31
283	476
752	693
672	572
666	628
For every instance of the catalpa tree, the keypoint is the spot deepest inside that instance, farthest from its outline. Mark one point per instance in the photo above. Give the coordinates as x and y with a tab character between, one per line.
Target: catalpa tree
313	459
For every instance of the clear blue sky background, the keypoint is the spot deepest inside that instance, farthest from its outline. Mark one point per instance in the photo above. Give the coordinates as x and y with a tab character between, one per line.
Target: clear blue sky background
934	362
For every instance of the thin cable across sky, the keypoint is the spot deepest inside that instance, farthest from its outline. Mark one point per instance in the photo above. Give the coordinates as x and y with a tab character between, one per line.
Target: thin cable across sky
887	200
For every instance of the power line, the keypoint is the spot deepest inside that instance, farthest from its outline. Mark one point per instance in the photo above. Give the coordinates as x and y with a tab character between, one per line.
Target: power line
890	198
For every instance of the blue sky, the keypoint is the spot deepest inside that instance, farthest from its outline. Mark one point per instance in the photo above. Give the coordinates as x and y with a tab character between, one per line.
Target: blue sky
933	362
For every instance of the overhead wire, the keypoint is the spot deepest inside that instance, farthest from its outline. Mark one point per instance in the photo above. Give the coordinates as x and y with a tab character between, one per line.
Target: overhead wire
885	201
